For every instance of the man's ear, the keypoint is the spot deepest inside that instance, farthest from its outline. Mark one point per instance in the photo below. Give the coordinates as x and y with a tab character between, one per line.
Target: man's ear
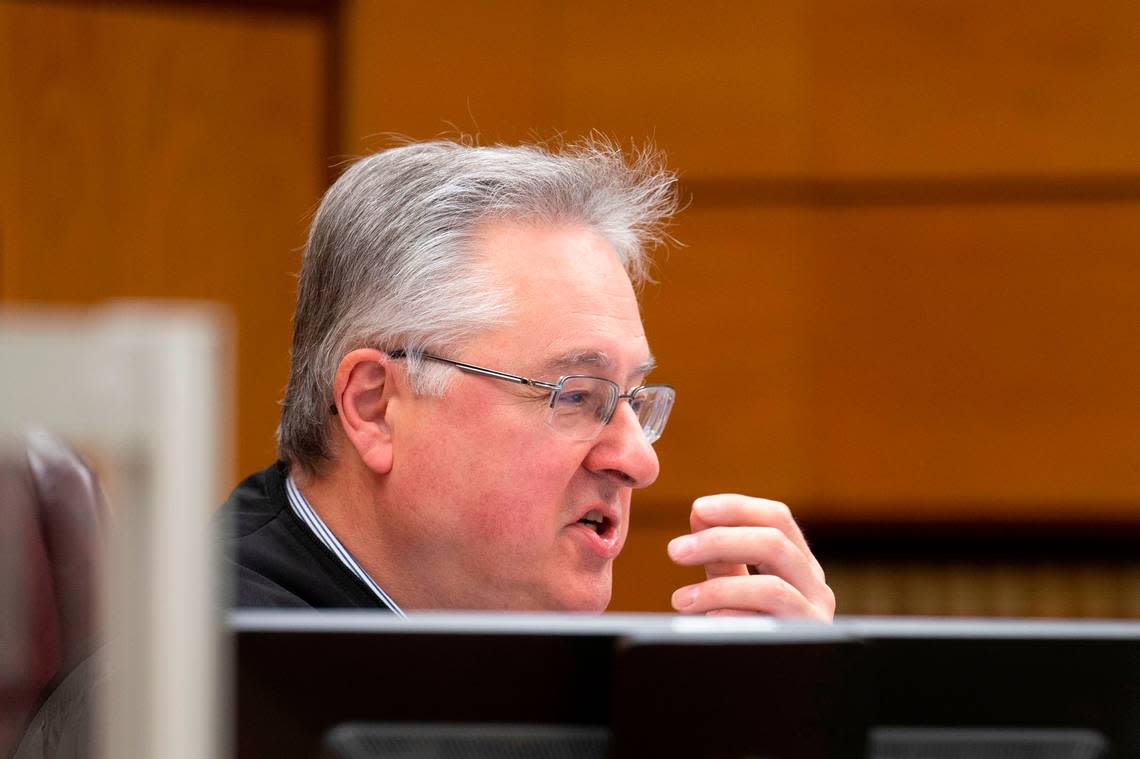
362	390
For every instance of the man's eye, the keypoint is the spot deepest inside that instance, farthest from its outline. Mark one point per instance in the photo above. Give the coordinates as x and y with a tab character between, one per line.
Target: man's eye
574	398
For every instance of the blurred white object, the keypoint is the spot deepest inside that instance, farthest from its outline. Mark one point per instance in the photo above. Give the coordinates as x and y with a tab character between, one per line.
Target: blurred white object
145	387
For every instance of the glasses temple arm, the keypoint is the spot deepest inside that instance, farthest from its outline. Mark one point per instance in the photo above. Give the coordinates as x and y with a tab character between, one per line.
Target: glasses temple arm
472	369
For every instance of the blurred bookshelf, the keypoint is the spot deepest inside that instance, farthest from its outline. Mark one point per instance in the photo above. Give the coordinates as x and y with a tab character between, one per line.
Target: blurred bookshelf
979	570
924	569
1044	589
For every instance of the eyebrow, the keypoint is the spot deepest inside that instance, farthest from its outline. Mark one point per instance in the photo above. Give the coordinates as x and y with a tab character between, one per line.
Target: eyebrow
572	361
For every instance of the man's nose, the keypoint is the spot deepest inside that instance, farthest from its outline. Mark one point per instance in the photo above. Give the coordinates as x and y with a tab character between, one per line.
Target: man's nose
622	452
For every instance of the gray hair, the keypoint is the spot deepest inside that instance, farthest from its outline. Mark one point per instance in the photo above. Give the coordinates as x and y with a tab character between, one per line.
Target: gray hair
389	263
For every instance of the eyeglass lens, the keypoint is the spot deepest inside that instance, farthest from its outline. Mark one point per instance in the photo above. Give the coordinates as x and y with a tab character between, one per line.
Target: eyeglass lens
584	404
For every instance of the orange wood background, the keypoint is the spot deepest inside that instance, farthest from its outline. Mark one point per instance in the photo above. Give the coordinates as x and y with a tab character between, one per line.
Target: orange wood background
155	150
911	285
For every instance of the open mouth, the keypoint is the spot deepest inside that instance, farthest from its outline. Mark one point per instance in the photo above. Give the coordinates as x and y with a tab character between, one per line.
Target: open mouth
604	522
597	522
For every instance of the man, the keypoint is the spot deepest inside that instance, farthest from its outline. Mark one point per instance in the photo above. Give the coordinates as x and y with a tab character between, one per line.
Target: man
468	410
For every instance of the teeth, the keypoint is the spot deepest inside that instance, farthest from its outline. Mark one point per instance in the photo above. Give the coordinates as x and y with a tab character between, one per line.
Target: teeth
594	520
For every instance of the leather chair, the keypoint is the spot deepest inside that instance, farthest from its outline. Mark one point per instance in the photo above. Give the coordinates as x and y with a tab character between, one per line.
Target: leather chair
53	519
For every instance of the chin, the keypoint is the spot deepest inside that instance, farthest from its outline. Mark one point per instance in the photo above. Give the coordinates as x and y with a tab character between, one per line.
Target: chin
590	596
581	607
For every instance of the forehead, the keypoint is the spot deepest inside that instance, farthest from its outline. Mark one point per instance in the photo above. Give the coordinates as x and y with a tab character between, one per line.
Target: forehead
572	304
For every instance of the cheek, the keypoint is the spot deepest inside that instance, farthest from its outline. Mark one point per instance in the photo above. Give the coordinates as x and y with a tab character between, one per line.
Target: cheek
505	480
518	493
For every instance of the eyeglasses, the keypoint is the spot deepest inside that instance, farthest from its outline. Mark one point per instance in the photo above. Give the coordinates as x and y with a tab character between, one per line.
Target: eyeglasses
580	405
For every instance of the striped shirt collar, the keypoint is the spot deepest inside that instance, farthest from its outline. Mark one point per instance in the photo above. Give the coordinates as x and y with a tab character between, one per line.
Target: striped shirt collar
314	522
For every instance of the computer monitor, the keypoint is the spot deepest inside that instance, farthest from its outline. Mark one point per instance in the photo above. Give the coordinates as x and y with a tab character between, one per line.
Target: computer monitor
965	687
301	675
703	689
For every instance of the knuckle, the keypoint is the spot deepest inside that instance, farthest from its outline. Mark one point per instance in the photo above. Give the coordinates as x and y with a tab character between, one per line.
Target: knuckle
781	512
776	590
829	599
775	543
788	594
785	520
784	595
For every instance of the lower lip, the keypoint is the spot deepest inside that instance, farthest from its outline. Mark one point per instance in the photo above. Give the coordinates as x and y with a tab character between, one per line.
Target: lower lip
606	546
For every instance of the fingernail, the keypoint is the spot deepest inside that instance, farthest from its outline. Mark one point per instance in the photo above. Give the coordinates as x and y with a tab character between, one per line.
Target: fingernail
681	547
684	597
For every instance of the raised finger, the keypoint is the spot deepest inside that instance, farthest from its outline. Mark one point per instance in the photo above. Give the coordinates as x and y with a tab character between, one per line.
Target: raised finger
766	548
715	569
764	594
732	510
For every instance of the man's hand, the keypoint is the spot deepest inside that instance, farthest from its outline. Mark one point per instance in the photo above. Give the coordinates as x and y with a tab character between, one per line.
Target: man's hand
733	533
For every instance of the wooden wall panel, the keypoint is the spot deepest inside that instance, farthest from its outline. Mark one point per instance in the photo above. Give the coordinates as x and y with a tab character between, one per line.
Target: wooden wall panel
922	362
727	324
975	88
988	354
156	150
909	286
724	87
644	578
515	69
423	70
788	89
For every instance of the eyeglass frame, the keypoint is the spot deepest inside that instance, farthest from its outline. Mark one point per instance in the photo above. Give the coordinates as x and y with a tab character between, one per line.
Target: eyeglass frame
554	389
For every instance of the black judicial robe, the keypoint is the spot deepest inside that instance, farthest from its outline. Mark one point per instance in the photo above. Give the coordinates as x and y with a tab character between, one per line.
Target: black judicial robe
272	558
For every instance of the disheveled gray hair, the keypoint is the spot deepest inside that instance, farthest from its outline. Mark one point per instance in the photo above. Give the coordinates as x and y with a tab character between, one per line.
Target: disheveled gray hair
390	264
